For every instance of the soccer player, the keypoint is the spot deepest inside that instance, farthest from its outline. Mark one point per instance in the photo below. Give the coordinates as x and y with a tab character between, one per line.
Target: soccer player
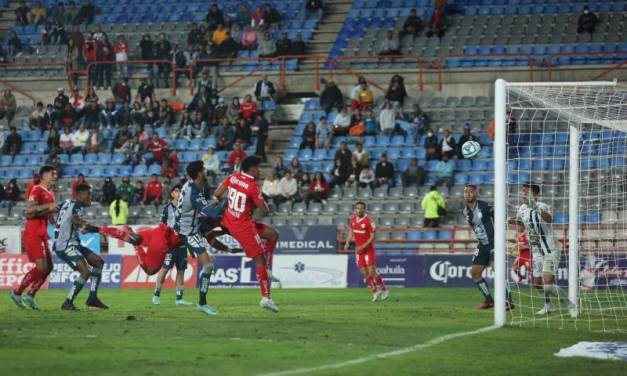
522	252
40	205
243	195
67	246
362	229
177	256
480	216
537	218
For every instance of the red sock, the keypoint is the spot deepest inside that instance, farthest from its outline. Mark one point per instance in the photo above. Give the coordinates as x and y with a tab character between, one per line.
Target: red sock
379	282
371	284
30	277
36	285
262	277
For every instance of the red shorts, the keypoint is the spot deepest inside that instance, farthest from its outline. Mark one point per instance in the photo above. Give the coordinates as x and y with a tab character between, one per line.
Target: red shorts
367	258
157	243
247	235
37	248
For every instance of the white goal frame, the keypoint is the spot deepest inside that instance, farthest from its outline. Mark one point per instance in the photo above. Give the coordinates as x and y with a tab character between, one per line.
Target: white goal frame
500	193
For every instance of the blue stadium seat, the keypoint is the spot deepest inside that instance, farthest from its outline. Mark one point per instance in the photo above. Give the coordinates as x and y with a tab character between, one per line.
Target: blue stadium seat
76	159
413	235
195	144
305	154
84	170
463	165
126	170
91	158
460	178
104	158
98	171
320	154
560	219
140	170
118	158
430	235
154	169
445	235
6	160
432	165
476	179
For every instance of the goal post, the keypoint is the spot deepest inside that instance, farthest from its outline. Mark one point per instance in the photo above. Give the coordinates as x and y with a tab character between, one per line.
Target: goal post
569	140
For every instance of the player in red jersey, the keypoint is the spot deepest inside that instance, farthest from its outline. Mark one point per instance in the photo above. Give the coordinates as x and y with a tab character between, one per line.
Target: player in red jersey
243	196
40	205
523	253
362	229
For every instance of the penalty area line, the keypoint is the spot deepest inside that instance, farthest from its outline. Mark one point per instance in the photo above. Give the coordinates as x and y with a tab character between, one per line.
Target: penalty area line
403	351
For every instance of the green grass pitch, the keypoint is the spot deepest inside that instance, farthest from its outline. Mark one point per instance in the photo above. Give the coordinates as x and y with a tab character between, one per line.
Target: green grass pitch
314	328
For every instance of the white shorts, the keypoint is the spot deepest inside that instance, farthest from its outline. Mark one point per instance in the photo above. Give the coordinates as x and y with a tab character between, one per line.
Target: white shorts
545	264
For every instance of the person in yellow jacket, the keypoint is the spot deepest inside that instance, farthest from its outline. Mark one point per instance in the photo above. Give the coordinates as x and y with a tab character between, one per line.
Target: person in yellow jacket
219	35
118	210
431	204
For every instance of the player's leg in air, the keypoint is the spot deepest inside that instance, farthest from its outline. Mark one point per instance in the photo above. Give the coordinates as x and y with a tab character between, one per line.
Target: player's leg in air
39	254
151	245
176	257
269	236
89	265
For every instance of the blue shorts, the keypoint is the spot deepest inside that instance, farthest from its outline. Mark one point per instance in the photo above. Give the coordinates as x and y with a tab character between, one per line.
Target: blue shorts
176	256
73	254
483	256
196	243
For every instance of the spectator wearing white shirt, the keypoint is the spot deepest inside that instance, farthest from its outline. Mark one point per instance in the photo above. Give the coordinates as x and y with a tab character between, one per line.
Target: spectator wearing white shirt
387	119
80	138
271	190
448	144
360	154
211	162
264	89
66	142
366	177
342	122
323	134
288	187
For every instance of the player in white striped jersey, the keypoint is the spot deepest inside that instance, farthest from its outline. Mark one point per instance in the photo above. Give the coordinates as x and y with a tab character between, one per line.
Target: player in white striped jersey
537	218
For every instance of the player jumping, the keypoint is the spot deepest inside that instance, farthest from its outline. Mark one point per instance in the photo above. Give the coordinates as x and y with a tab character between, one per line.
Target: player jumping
536	217
177	256
480	216
67	246
523	254
243	195
362	229
40	205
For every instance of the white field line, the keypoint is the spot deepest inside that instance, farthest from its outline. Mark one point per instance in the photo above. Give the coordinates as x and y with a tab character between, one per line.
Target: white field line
403	351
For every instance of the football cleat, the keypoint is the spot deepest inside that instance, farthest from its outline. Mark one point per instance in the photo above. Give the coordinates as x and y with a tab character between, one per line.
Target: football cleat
96	303
181	302
384	295
487	304
29	301
572	309
376	296
69	306
268	304
509	306
548	308
155	300
208	310
17	299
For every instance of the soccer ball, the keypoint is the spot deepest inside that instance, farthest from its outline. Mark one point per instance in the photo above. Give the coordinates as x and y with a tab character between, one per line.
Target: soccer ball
470	149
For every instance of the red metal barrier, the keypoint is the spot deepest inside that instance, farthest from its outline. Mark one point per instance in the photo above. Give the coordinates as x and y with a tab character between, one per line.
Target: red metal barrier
39	64
19	90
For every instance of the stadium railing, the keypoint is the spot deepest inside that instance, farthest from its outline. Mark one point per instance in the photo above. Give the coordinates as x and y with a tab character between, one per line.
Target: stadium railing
18	89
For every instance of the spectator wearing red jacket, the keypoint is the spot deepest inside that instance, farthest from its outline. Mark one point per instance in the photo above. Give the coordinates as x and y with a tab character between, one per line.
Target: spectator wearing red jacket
121	56
248	109
237	152
170	166
318	189
80	180
152	193
158	147
90	54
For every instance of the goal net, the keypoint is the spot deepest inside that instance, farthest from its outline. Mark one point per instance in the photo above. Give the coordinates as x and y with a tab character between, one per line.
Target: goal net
560	201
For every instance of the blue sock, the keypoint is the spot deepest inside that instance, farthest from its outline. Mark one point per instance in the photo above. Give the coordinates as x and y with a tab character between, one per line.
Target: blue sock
204	287
96	274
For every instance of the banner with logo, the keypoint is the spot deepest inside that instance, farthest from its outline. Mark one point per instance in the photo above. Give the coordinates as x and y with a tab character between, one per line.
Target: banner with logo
307	239
62	276
91	241
13	268
396	271
10	239
231	271
603	270
310	271
133	276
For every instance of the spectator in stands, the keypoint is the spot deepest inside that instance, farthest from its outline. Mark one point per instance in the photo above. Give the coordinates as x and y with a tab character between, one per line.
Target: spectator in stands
170	165
86	13
387	120
90	54
46	32
53	140
147	48
80	138
105	55
95	142
54	160
11	194
214	18
271	17
419	118
372	125
248	40
219	35
195	36
331	97
138	197
227	131
467	136
314	8
309	137
288	188
256	19
80	180
437	26
396	92
145	91
234	111
163	51
3	55
263	131
58	35
366	177
414	175
66	142
120	137
444	171
125	190
73	59
211	162
231	15
14	45
353	174
364	97
132	150
433	204
304	184
37	14
270	190
77	101
236	34
360	154
107	114
179	62
2	137
90	114
152	115
266	46
413	25
108	192
448	146
236	153
264	89
70	13
295	168
318	189
432	146
8	106
166	115
243	133
118	211
390	45
141	134
21	14
298	46
121	56
339	174
384	172
122	91
13	143
90	95
152	193
283	45
587	21
158	148
279	168
67	116
344	155
323	134
248	109
342	122
123	115
357	126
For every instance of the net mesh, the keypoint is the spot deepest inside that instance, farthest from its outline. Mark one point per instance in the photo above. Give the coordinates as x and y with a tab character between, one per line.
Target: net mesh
539	118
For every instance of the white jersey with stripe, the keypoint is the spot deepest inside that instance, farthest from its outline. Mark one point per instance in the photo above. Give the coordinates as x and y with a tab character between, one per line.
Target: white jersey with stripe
65	231
541	235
